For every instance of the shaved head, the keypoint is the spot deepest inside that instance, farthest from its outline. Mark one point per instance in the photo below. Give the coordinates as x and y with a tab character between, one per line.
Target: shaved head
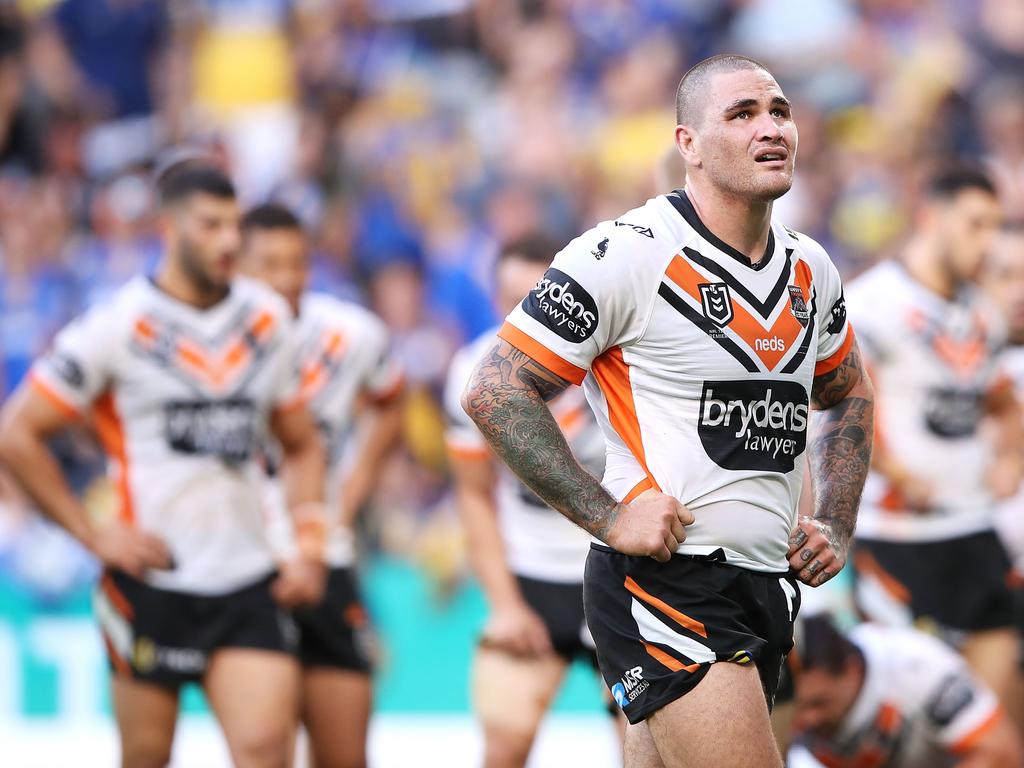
693	88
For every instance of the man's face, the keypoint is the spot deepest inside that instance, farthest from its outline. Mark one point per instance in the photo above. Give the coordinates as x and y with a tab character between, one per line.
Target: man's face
966	226
279	258
746	142
204	233
823	700
516	278
1004	279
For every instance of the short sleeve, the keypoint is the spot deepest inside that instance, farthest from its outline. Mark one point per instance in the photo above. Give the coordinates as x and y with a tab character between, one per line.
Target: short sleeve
959	709
461	436
587	302
835	333
78	367
383	377
287	370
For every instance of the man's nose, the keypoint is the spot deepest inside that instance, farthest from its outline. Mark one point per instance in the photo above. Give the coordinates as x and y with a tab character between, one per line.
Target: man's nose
768	128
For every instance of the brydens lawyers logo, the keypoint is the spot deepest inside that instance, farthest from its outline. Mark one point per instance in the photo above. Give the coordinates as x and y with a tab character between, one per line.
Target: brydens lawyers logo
561	304
629	687
716	303
753	425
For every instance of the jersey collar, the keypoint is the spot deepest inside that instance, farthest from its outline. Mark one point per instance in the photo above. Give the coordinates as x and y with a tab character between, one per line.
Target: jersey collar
681	202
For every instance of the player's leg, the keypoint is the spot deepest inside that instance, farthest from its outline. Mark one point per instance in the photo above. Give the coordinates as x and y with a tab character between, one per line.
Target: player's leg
994	656
336	651
638	748
336	713
510	697
146	714
255	695
721	723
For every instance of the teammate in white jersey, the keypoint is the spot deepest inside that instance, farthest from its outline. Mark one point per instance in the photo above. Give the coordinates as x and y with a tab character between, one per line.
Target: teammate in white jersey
704	331
182	376
926	549
351	384
884	697
529	558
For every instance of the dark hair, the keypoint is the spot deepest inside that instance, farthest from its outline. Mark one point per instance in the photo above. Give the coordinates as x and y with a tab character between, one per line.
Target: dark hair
535	249
954	179
190	178
824	647
694	84
270	216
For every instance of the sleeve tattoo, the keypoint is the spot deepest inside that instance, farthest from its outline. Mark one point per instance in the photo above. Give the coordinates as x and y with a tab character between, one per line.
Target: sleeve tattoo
841	447
506	398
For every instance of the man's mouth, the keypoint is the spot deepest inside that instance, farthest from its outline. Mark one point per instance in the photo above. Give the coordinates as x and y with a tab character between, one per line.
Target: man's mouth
771	155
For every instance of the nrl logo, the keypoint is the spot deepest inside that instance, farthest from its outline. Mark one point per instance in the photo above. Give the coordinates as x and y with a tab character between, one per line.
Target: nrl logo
716	303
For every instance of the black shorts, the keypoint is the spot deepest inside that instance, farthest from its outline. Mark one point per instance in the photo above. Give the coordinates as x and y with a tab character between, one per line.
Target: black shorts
658	627
952	587
560	606
337	632
167	637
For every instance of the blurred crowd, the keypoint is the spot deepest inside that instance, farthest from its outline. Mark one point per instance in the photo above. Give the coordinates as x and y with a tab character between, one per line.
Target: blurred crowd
414	137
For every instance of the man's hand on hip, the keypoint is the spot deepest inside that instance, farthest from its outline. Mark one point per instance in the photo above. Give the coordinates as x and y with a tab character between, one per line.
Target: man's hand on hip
815	554
652	525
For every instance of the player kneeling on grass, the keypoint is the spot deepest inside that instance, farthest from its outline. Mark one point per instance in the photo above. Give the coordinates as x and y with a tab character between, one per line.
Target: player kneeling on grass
895	698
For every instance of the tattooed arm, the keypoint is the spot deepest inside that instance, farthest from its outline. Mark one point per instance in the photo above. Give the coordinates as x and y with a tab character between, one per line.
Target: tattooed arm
839	456
506	399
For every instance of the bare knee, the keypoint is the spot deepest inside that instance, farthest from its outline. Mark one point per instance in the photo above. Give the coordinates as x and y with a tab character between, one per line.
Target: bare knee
261	748
145	752
343	757
506	749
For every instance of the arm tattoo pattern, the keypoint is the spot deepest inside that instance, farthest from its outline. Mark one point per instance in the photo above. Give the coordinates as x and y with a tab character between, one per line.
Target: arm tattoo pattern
841	448
506	398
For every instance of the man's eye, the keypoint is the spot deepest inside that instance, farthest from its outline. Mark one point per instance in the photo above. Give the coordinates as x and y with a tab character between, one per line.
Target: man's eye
743	115
779	112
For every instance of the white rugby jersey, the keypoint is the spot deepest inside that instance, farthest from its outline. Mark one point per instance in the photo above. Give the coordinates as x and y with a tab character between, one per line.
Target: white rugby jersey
181	398
932	362
918	708
344	359
539	542
1009	516
697	363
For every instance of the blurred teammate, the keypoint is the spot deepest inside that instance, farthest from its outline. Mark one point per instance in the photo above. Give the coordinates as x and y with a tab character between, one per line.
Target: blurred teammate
1004	280
895	698
528	558
708	330
926	549
351	385
181	376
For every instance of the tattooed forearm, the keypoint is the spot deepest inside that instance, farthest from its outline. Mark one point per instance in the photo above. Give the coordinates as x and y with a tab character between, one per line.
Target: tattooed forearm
505	397
840	451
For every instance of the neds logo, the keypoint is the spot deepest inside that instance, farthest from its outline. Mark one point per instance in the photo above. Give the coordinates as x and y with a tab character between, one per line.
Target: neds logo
758	425
774	344
561	304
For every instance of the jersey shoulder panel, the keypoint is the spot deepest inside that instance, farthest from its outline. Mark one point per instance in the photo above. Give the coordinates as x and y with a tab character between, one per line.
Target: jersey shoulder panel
248	289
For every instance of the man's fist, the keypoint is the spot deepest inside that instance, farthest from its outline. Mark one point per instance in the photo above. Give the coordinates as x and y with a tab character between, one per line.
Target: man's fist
813	557
131	550
652	525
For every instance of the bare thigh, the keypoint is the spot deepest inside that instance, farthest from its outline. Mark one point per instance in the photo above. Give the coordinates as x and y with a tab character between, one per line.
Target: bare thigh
255	695
511	695
994	656
146	715
722	723
336	713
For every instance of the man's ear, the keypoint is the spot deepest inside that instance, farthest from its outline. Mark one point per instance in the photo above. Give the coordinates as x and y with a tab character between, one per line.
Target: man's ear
688	144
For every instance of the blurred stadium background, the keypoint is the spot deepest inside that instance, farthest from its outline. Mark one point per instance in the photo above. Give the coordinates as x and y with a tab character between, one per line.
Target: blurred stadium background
414	137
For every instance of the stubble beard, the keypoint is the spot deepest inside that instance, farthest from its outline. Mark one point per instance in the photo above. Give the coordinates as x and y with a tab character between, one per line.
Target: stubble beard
202	282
